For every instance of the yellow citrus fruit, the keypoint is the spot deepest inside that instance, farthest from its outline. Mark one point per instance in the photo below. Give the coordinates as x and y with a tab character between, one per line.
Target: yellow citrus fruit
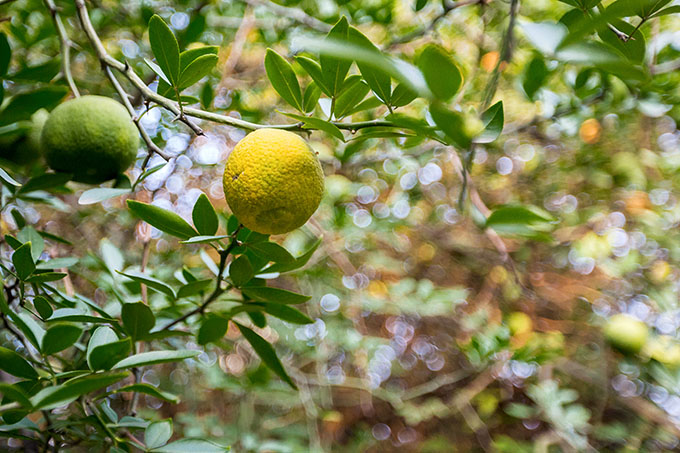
22	147
519	323
91	137
664	349
273	181
626	333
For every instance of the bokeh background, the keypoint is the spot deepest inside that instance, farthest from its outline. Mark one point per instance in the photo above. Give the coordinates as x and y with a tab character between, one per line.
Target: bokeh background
417	343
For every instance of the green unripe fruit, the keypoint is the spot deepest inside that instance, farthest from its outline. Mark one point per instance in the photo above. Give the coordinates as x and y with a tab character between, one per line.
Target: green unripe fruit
23	146
91	137
626	333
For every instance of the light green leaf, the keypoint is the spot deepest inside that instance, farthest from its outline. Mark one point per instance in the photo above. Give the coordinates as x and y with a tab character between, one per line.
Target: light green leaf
493	120
283	79
158	434
164	220
154	357
64	393
204	216
138	319
14	364
440	71
241	271
59	337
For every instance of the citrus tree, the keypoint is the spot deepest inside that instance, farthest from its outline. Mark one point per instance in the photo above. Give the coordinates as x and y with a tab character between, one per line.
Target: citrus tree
140	272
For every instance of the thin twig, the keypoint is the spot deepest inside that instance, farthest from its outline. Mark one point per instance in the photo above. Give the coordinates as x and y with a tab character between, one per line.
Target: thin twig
293	13
153	148
66	45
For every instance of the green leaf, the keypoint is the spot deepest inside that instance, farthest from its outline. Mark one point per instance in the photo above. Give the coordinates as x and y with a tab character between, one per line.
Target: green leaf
164	85
14	364
154	357
191	445
165	48
535	74
58	263
283	79
664	12
379	80
164	220
272	251
634	49
29	234
314	70
334	69
319	124
275	295
147	173
14	393
527	221
23	262
493	120
45	181
189	56
148	389
99	194
138	319
45	277
59	337
42	306
5	55
23	105
158	434
287	313
403	95
266	352
298	263
349	99
452	124
43	72
105	349
311	97
212	329
257	318
152	283
602	56
193	288
64	393
545	36
204	216
440	71
241	271
196	70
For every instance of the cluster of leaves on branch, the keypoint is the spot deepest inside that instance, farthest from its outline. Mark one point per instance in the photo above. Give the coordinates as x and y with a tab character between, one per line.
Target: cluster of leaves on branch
77	355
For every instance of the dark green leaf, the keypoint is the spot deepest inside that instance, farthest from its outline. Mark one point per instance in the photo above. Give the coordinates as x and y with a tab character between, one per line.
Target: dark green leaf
152	283
193	288
266	352
299	262
283	79
440	71
59	337
493	120
403	95
188	56
42	306
241	271
105	349
23	105
23	262
45	181
633	49
14	393
158	434
204	216
452	124
377	79
349	99
207	95
664	12
45	277
165	48
40	73
164	220
57	263
257	318
138	319
287	313
212	329
14	364
535	74
275	295
5	55
154	357
61	394
148	389
272	252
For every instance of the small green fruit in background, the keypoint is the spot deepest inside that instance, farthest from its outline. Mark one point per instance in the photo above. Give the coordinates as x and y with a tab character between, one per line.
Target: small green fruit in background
91	137
626	333
22	147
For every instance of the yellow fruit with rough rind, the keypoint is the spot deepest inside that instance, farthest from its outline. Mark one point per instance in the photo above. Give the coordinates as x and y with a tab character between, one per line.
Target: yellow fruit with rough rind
91	137
626	333
273	181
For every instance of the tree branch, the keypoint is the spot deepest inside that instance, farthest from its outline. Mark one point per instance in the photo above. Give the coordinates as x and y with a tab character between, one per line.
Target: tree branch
66	45
293	13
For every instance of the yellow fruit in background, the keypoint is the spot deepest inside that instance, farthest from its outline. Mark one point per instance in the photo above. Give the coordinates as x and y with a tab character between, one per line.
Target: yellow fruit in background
23	147
91	137
664	349
626	333
273	181
519	323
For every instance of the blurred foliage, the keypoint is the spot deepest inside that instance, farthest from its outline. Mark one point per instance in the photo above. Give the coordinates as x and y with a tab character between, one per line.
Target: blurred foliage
501	178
